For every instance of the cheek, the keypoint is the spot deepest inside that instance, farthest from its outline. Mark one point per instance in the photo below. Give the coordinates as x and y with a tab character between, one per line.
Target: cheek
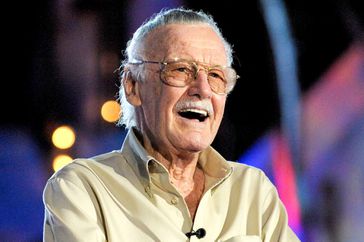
149	103
219	108
157	104
150	92
166	104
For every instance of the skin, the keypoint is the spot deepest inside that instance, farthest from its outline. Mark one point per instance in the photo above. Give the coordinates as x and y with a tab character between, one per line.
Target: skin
176	141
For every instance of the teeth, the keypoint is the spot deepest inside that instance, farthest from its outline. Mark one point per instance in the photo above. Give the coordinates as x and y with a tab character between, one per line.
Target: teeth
199	111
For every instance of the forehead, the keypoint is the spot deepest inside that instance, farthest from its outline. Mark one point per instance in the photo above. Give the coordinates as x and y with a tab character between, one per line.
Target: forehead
189	41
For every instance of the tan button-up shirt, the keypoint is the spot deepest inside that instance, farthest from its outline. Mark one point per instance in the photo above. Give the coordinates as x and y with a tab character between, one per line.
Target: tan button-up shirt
126	195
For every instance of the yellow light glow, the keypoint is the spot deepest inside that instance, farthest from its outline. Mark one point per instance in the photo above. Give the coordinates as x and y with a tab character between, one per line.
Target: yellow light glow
60	161
110	111
63	137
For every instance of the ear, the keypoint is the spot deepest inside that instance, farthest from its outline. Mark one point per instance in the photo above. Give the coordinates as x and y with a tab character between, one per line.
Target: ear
131	88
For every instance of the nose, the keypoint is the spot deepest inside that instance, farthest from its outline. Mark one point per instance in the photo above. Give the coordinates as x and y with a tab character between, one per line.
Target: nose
200	85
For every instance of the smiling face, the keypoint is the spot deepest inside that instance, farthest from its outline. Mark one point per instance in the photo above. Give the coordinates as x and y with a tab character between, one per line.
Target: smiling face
178	120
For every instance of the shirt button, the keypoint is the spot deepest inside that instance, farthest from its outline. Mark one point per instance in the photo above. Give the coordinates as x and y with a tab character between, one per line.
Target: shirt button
174	201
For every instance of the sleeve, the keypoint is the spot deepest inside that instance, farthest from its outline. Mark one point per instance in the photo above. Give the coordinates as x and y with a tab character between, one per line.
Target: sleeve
275	219
71	212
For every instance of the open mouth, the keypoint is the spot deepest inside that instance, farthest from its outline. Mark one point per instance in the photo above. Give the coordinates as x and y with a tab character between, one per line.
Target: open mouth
200	115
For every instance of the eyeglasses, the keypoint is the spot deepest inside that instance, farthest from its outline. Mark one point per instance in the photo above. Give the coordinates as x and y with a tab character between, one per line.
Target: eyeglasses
180	73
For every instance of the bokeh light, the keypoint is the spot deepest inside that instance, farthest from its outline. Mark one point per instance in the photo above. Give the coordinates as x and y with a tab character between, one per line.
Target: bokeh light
110	111
63	137
60	161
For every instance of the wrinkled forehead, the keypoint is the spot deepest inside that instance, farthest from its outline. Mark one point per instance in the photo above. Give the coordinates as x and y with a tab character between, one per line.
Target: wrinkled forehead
197	42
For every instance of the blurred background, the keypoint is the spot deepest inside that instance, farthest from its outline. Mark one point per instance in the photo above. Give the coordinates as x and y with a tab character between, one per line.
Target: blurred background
297	112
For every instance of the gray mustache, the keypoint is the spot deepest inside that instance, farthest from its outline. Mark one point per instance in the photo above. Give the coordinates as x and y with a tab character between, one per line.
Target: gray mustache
203	105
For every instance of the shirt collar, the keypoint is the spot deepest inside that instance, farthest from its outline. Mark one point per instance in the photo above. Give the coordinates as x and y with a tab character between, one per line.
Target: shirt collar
136	156
211	162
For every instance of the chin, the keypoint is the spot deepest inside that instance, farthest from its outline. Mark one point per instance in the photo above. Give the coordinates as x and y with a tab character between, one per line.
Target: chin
196	144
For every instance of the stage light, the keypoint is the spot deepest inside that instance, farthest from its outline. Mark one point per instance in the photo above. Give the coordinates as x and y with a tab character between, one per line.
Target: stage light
63	137
60	161
110	111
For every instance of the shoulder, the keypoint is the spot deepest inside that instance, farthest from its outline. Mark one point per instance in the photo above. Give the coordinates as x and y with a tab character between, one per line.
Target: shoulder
86	169
240	169
246	174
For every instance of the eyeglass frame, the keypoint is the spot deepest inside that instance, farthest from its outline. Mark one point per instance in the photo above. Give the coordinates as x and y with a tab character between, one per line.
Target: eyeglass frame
197	68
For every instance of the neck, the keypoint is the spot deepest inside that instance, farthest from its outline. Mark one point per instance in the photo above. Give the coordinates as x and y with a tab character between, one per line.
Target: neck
180	164
184	172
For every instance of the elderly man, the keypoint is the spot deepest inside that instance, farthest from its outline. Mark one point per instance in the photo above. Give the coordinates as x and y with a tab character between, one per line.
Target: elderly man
167	183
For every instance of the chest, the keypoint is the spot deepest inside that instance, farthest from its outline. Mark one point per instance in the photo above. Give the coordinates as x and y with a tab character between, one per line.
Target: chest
166	215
